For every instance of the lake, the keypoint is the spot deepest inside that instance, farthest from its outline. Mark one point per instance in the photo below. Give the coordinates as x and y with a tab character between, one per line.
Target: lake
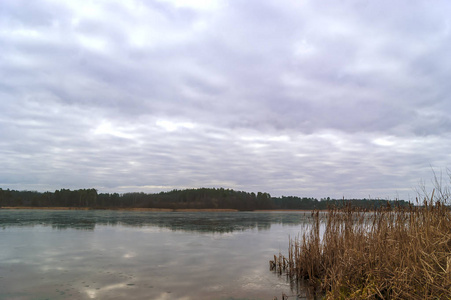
105	254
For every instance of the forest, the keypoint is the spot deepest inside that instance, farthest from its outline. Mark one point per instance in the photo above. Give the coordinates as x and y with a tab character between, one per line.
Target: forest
201	198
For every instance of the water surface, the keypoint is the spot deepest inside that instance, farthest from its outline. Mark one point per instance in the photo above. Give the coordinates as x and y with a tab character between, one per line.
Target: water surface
97	254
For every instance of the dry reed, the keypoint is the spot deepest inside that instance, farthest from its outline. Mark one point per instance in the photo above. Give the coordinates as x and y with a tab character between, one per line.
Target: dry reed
390	253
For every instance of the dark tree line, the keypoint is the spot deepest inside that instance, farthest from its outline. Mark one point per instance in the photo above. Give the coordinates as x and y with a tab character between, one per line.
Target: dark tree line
291	202
177	199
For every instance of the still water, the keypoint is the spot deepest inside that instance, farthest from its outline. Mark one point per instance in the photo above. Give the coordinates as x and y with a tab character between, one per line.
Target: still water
97	254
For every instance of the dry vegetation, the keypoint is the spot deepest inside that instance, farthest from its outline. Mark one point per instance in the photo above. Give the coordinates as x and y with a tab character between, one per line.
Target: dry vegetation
392	253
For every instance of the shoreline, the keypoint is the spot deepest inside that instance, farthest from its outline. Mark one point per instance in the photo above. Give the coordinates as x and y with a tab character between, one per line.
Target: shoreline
123	209
144	209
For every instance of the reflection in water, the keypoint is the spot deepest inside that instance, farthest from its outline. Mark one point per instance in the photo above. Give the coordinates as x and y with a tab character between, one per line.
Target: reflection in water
142	255
186	221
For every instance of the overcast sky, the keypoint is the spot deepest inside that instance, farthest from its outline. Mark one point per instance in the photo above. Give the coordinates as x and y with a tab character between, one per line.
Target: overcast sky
305	98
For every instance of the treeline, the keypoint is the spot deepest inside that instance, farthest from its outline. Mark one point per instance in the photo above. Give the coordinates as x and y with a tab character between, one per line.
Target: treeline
201	198
291	202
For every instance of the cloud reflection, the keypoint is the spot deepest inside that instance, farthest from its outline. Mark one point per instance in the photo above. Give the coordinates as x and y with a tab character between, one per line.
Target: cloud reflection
132	262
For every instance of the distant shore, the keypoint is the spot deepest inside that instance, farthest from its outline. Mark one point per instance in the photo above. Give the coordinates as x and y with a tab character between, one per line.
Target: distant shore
123	208
152	209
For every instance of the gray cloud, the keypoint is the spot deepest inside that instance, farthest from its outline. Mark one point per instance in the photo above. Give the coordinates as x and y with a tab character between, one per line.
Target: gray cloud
301	98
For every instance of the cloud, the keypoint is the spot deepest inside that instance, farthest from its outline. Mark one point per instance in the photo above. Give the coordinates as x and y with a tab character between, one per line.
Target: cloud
302	98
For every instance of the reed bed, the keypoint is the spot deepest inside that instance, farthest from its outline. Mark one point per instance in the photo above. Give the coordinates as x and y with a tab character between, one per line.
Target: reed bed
390	253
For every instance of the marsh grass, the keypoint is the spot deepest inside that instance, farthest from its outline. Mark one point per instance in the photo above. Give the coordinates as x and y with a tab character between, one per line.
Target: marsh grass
390	253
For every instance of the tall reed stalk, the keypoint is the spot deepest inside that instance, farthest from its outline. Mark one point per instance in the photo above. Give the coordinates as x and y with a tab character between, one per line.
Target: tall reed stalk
390	253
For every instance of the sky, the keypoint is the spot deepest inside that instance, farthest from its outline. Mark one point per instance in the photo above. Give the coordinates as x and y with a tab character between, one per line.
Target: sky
304	98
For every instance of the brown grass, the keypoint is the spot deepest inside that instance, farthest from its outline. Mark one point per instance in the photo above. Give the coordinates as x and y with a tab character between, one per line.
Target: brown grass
392	253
